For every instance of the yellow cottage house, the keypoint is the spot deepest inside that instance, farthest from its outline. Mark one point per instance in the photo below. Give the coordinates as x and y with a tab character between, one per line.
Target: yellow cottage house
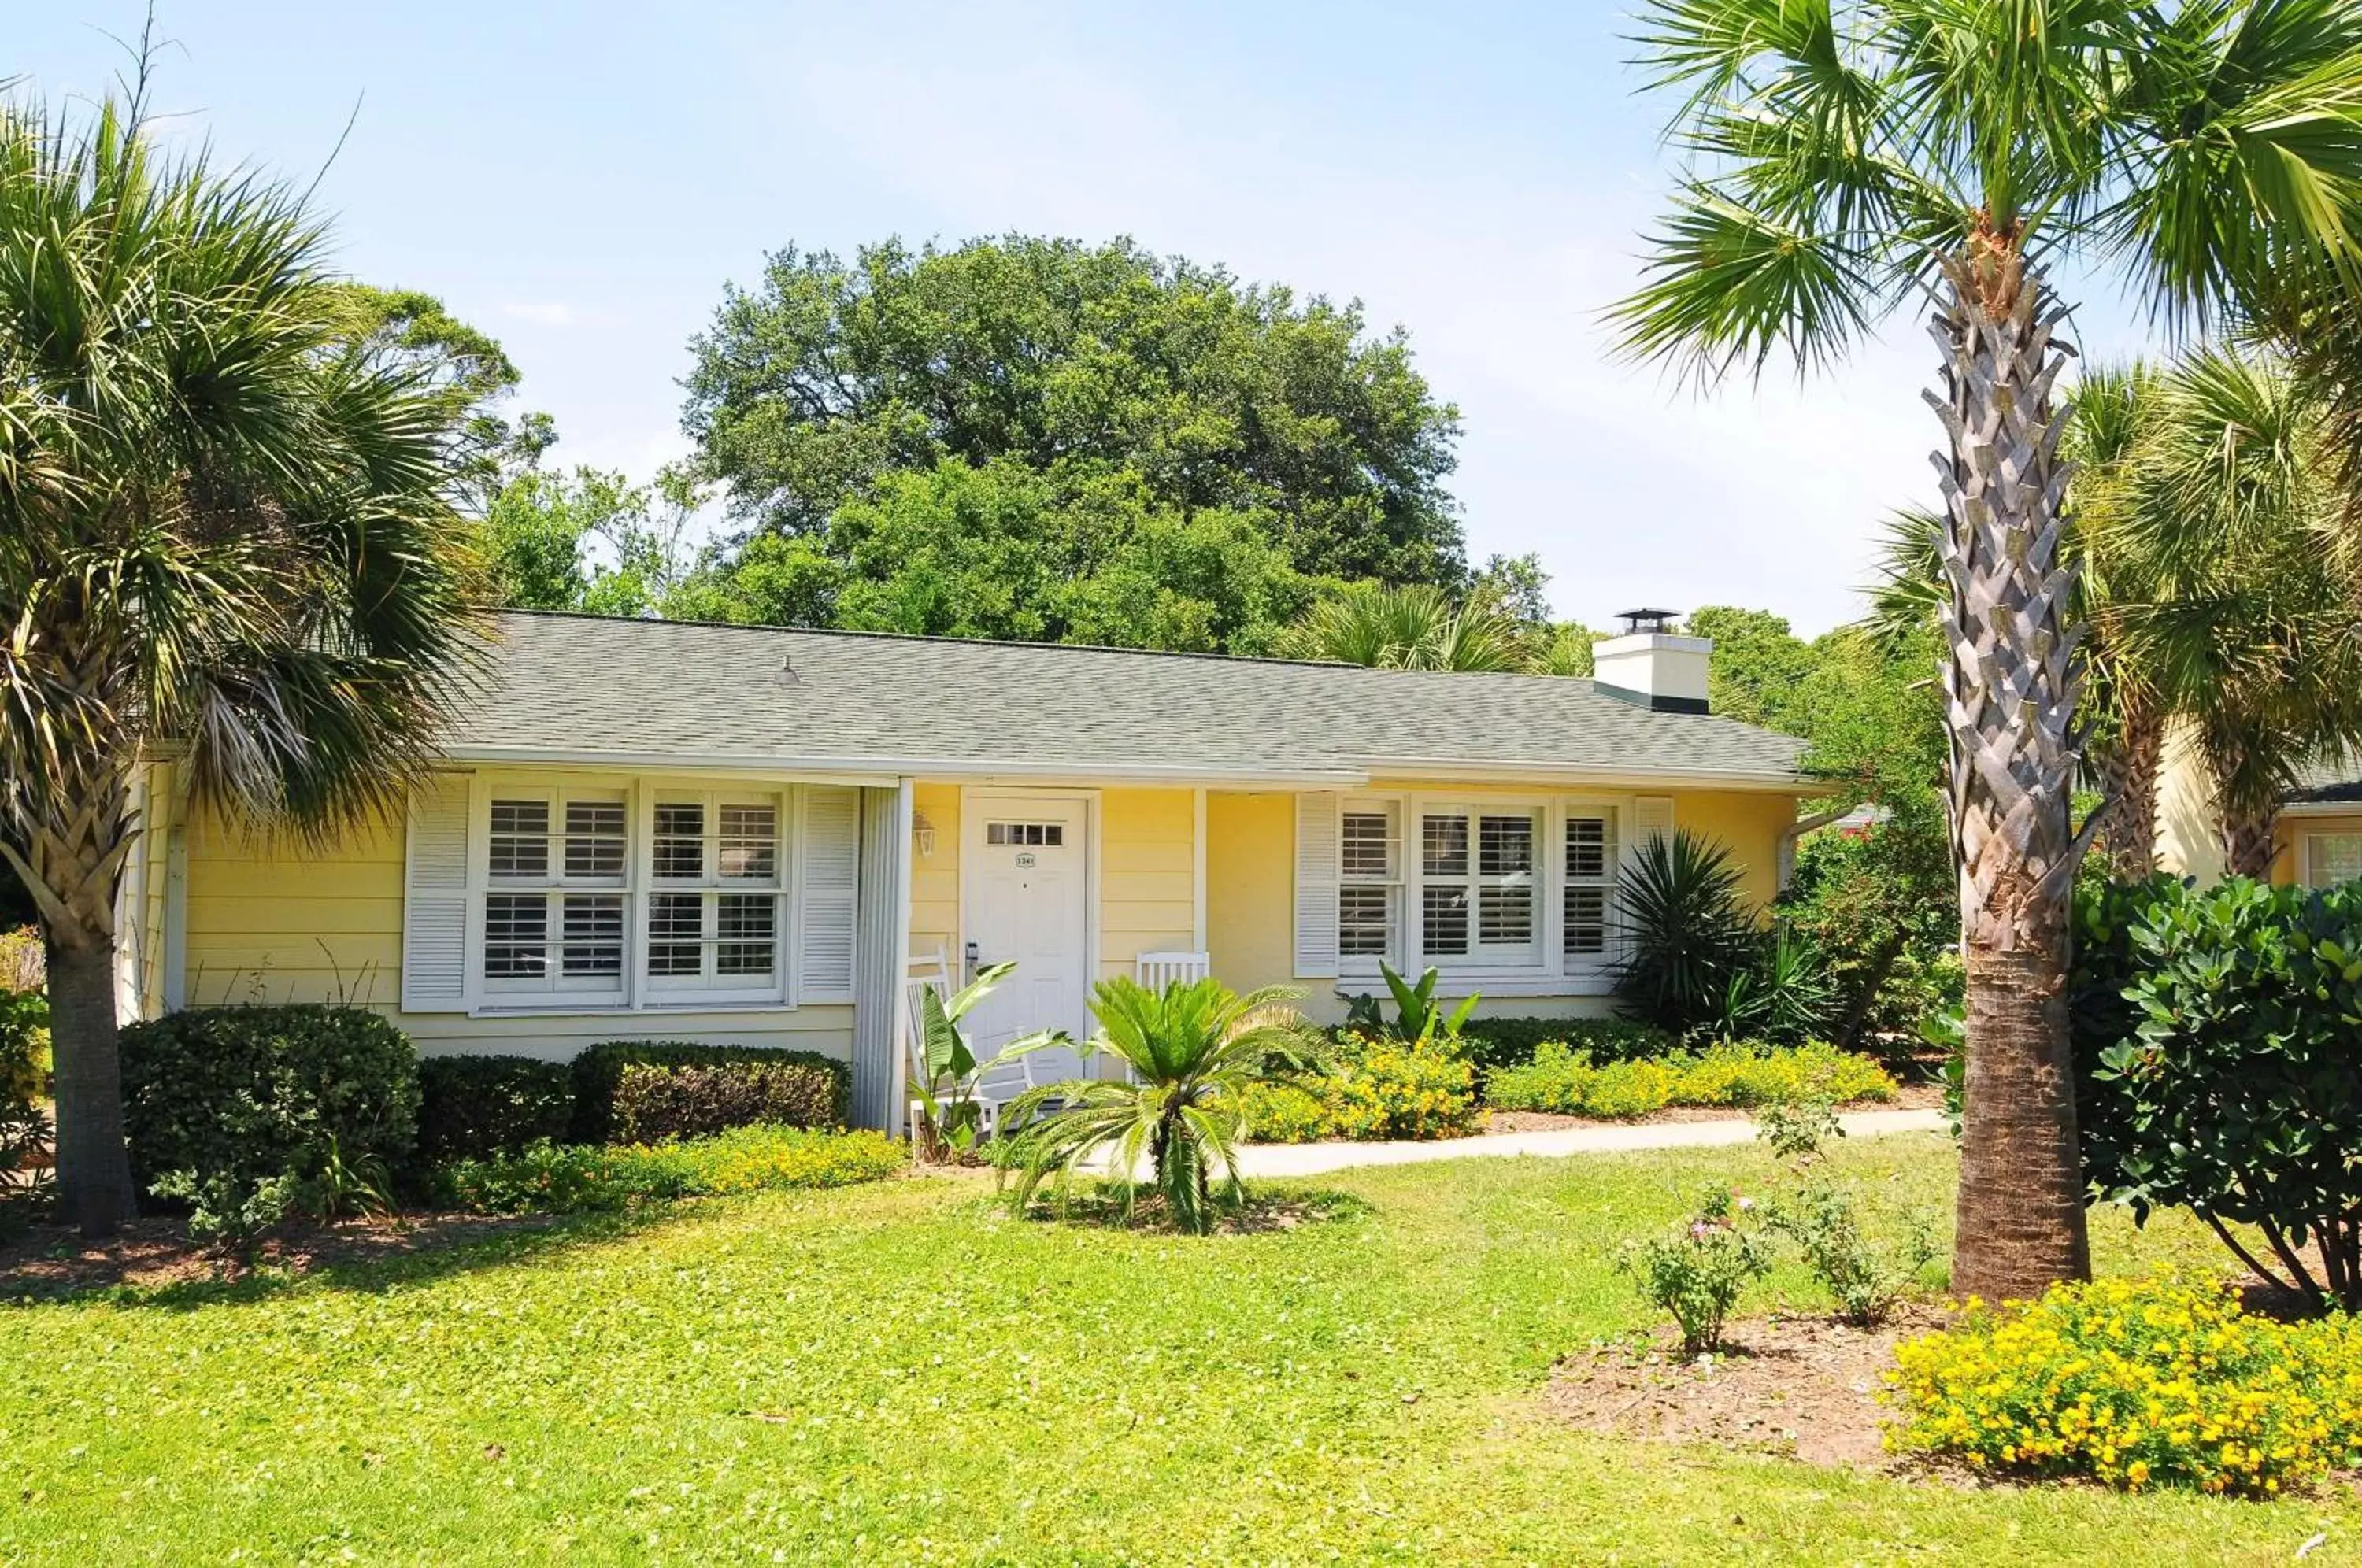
2316	841
757	836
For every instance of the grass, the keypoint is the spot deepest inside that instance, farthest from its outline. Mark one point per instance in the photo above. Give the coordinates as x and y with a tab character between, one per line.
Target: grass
900	1373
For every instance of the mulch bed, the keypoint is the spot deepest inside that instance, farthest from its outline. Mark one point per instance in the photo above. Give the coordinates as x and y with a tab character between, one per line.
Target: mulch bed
1801	1387
51	1261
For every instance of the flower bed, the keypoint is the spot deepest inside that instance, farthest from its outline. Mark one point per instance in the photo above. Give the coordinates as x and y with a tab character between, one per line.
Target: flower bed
1565	1080
2136	1385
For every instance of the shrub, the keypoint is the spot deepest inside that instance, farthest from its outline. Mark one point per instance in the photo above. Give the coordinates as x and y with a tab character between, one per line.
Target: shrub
1863	1276
2136	1384
24	1046
577	1179
225	1101
2225	1076
1562	1079
1698	1274
1371	1089
1286	1113
1495	1043
475	1106
1401	1089
599	1071
1687	931
653	1103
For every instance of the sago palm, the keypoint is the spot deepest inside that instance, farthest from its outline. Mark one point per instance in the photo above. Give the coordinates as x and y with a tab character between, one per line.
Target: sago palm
1851	158
224	538
1192	1049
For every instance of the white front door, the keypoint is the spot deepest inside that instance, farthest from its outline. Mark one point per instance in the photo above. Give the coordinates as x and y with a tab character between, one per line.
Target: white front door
1026	864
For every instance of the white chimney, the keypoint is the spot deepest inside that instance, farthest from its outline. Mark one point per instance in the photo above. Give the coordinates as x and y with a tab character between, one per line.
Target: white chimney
1650	666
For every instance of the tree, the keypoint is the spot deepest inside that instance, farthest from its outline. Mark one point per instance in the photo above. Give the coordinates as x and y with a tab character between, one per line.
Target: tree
1076	363
222	531
1415	627
1853	156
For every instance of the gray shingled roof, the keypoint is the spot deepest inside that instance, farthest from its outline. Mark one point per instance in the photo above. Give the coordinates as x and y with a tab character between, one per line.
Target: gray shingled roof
2337	776
661	691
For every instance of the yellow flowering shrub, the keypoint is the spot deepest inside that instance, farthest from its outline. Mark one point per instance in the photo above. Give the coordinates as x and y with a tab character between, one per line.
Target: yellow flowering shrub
2135	1384
1376	1087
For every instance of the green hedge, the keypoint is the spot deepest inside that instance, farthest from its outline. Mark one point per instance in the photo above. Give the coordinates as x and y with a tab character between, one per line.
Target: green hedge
599	1075
237	1096
476	1107
568	1179
1495	1043
653	1103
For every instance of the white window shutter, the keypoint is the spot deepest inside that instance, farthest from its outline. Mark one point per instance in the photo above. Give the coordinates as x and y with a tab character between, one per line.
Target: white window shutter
435	899
831	879
1316	884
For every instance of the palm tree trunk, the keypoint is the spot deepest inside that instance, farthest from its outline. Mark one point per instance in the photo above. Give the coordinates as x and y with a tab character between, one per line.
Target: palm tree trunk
93	1167
2011	688
2128	770
2248	841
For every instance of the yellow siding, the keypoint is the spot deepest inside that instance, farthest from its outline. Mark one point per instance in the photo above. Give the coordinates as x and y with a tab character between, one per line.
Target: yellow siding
1147	898
281	921
1251	888
1750	825
2289	859
934	877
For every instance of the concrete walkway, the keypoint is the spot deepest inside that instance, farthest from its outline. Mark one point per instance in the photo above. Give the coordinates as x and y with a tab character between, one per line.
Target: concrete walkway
1312	1159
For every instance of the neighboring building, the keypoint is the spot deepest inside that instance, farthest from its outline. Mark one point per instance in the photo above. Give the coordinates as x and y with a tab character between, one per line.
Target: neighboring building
2318	839
747	834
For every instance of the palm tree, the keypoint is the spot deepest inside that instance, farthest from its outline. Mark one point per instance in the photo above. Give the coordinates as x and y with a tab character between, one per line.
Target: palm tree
1854	156
1416	626
224	536
1192	1049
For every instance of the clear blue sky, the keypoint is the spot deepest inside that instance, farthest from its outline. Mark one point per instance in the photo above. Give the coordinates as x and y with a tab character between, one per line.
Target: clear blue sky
582	178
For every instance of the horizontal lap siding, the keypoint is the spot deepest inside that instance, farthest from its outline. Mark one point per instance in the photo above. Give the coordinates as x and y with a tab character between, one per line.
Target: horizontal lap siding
936	878
1147	893
281	923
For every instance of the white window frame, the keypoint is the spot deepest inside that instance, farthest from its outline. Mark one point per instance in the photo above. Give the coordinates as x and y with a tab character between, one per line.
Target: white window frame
2312	853
1552	971
639	990
708	986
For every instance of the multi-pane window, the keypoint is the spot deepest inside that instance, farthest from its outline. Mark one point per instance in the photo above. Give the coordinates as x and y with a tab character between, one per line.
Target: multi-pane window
715	895
1480	896
562	897
1487	887
1590	883
2331	858
550	931
1370	883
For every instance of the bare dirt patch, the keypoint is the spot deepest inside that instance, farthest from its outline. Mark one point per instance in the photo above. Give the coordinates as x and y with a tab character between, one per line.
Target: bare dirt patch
152	1254
1802	1388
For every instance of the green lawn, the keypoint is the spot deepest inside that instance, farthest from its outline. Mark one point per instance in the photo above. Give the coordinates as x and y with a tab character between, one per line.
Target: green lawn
897	1374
